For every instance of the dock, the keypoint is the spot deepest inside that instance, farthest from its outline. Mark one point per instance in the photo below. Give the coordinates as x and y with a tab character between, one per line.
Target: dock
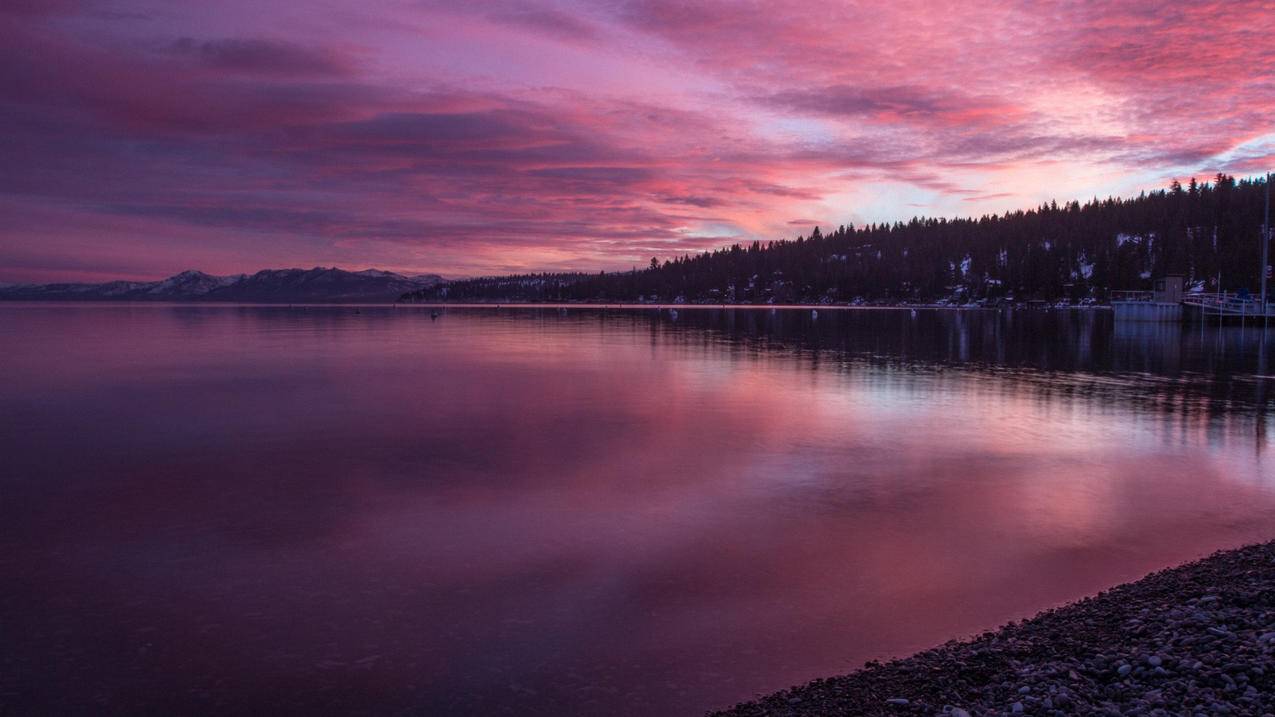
1164	305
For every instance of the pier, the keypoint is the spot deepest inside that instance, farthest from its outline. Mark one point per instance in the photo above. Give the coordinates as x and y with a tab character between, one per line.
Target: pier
1218	307
1225	306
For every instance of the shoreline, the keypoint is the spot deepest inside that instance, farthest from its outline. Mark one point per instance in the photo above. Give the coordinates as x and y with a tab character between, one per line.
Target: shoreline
548	305
1197	639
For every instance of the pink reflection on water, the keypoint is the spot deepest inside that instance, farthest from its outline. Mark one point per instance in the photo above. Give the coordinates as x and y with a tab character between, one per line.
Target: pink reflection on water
219	509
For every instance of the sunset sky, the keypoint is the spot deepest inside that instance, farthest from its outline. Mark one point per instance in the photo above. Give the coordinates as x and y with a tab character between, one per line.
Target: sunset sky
138	139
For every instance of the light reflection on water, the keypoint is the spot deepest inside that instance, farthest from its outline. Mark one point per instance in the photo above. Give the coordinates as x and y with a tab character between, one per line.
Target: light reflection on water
216	509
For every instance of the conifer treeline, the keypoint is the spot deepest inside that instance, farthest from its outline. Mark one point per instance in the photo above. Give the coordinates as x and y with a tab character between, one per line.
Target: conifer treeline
1051	252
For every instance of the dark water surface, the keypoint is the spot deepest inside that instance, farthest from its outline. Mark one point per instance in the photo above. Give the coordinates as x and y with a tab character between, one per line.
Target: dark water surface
263	510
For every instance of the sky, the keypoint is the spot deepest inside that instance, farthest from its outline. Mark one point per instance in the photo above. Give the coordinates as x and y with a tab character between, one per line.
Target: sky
139	138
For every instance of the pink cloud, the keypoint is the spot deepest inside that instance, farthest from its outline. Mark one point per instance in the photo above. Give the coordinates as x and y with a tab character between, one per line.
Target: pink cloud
530	135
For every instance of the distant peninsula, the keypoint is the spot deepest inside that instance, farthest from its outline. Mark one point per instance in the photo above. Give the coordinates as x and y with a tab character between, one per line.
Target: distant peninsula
287	286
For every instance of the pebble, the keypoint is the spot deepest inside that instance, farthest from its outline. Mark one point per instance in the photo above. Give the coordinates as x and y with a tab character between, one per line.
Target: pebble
1147	648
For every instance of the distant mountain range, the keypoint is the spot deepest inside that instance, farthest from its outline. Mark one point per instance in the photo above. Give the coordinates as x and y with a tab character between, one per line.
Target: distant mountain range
317	285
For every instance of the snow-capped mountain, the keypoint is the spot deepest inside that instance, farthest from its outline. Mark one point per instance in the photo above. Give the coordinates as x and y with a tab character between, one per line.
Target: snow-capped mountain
189	284
319	284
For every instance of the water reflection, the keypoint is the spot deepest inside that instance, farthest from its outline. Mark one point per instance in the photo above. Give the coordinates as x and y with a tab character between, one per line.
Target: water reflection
258	509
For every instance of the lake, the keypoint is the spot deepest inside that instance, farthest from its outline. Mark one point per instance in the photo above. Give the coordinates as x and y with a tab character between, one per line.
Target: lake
534	511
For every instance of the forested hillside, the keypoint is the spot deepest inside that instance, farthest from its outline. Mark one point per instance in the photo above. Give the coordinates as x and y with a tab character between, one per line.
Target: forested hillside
1073	251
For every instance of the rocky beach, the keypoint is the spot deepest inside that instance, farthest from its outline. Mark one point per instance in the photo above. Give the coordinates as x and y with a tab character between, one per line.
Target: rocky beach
1193	640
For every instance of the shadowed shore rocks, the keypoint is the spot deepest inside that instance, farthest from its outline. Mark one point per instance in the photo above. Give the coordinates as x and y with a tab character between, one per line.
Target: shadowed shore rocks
1193	640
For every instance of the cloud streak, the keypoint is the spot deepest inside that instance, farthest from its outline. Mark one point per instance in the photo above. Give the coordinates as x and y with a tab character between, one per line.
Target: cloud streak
514	136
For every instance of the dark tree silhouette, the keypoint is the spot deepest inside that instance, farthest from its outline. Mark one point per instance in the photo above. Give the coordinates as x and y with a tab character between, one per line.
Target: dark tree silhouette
1072	251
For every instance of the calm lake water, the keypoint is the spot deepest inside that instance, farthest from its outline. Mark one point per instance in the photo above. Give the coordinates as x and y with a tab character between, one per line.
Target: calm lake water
264	510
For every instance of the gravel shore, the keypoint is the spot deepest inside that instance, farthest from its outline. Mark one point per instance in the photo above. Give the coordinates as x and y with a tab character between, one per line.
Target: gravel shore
1194	640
